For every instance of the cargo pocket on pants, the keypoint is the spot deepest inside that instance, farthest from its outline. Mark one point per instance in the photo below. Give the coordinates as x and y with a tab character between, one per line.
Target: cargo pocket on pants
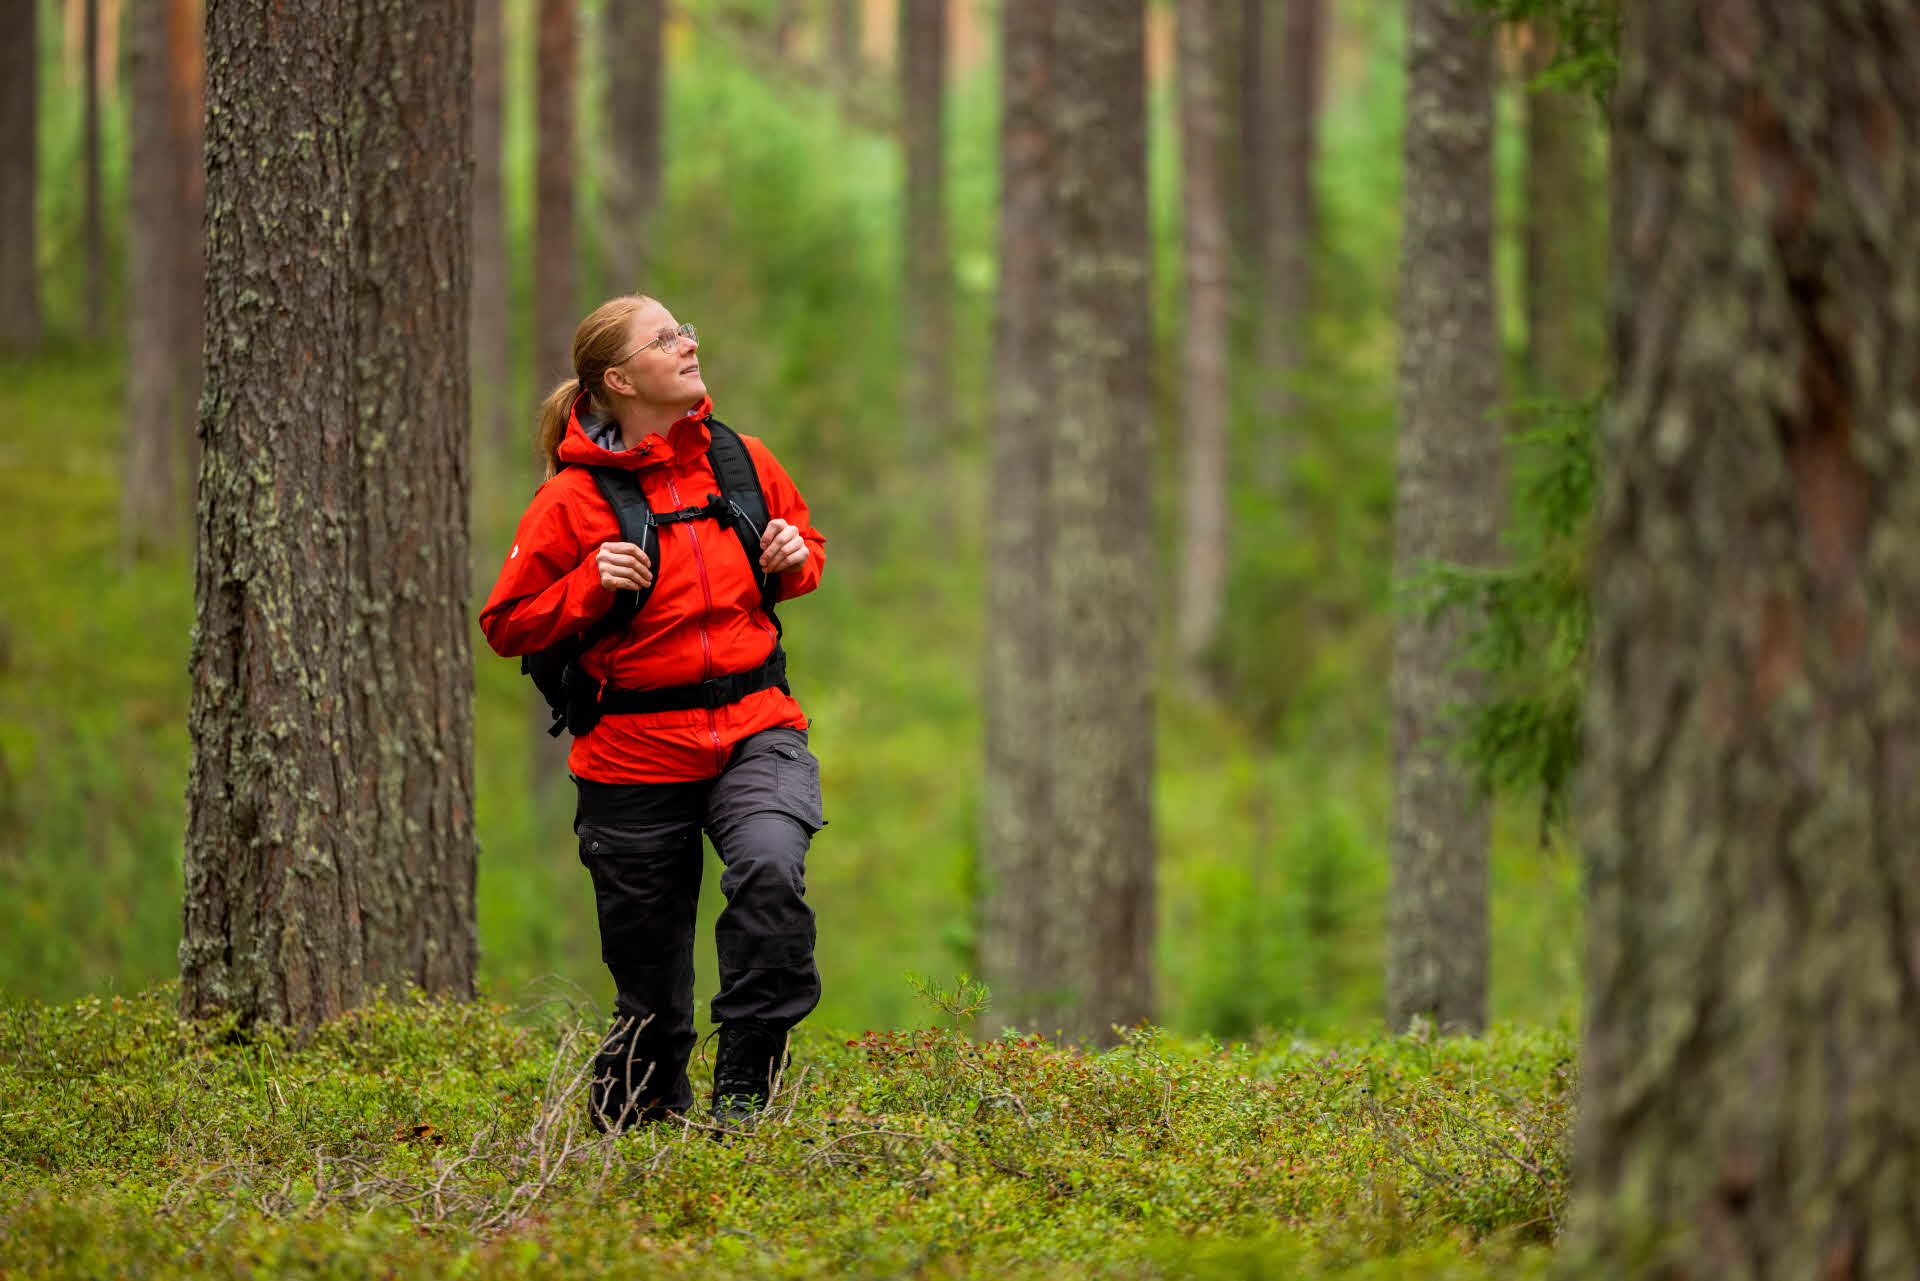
796	782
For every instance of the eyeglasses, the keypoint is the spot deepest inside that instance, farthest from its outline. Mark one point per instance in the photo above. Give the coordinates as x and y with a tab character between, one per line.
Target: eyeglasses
668	341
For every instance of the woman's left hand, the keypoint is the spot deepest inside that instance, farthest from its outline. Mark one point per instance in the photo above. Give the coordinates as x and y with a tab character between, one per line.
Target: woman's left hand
781	548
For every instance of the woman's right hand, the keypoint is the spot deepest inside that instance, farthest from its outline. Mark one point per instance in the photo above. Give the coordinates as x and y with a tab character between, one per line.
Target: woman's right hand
624	568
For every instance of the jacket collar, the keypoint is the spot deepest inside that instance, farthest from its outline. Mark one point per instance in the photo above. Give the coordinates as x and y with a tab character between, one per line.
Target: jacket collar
593	439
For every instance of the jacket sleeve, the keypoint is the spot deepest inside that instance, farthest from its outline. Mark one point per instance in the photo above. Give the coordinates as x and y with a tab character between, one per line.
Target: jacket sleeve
549	588
784	503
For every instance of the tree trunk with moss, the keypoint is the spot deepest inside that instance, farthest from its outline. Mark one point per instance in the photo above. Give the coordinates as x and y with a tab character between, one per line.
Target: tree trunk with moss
1019	937
1068	862
1749	1104
330	805
1448	507
164	276
19	176
1101	606
1203	406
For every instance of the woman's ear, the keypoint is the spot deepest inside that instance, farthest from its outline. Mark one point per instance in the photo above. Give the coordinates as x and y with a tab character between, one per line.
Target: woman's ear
615	380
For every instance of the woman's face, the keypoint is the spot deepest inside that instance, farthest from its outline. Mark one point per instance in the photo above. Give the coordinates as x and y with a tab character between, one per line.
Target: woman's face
656	376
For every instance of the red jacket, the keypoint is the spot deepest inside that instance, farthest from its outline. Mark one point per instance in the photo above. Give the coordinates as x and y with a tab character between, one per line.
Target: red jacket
704	618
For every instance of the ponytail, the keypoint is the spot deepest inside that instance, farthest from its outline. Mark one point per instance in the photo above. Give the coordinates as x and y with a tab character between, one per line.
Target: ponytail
598	341
554	411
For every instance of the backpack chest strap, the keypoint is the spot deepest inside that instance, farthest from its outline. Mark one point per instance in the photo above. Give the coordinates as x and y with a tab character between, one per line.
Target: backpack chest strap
716	509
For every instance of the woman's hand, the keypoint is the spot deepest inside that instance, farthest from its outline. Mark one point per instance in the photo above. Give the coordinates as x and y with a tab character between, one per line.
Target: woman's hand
781	548
624	568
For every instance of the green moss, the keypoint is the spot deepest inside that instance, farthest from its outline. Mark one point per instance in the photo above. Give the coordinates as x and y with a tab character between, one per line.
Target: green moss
441	1138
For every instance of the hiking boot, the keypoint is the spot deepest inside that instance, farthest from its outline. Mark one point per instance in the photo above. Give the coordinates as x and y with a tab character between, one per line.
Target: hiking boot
751	1055
624	1092
612	1110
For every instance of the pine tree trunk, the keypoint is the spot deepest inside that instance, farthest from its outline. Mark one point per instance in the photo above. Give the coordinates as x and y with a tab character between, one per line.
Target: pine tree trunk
1566	239
492	341
846	34
330	832
94	230
1102	602
923	59
1019	937
1241	28
636	77
164	243
553	258
19	177
1203	402
555	314
1449	497
1749	1105
1286	96
1068	906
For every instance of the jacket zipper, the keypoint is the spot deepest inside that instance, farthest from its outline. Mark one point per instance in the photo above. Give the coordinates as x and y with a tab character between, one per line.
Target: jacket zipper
706	645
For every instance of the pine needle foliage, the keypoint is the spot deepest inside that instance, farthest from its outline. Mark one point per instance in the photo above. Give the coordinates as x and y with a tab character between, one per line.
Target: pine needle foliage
1532	624
1586	41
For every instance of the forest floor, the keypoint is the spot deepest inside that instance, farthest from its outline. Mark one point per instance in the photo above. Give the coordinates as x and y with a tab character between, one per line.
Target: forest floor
425	1139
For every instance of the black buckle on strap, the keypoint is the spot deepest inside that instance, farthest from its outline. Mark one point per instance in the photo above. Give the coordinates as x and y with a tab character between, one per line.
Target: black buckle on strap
715	508
719	691
715	692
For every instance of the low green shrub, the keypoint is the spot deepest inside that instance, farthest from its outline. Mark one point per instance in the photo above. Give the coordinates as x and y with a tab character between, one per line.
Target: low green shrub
423	1138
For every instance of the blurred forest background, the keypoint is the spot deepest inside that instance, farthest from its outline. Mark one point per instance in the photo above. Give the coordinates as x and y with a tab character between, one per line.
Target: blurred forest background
779	231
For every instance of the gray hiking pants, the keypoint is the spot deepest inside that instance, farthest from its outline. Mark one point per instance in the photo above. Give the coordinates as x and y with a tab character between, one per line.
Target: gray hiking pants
641	843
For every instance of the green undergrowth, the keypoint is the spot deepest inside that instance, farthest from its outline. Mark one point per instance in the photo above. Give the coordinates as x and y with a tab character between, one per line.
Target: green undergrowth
423	1139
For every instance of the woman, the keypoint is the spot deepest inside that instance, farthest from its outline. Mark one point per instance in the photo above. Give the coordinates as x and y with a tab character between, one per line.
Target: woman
727	756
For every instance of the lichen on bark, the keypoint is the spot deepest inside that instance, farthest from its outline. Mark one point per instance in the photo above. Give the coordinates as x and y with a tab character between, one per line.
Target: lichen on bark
1449	487
1749	1104
330	842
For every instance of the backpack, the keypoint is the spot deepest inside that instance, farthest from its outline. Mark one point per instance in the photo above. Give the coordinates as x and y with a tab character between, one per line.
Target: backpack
570	692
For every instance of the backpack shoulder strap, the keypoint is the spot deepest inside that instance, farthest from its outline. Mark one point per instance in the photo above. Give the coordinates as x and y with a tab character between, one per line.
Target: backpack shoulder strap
733	467
740	489
621	489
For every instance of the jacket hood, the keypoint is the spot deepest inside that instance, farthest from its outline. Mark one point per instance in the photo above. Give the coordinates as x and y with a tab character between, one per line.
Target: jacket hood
593	438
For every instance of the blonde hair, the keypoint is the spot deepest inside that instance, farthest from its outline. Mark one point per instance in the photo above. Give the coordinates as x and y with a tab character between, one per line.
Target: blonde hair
599	340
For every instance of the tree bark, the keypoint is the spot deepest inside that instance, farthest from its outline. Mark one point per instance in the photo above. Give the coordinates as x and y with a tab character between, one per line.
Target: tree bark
1019	937
492	340
1566	238
1285	95
846	33
93	230
19	176
929	291
1203	402
1243	56
1753	1015
636	76
553	254
1067	912
1449	500
555	313
1102	602
330	804
165	254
